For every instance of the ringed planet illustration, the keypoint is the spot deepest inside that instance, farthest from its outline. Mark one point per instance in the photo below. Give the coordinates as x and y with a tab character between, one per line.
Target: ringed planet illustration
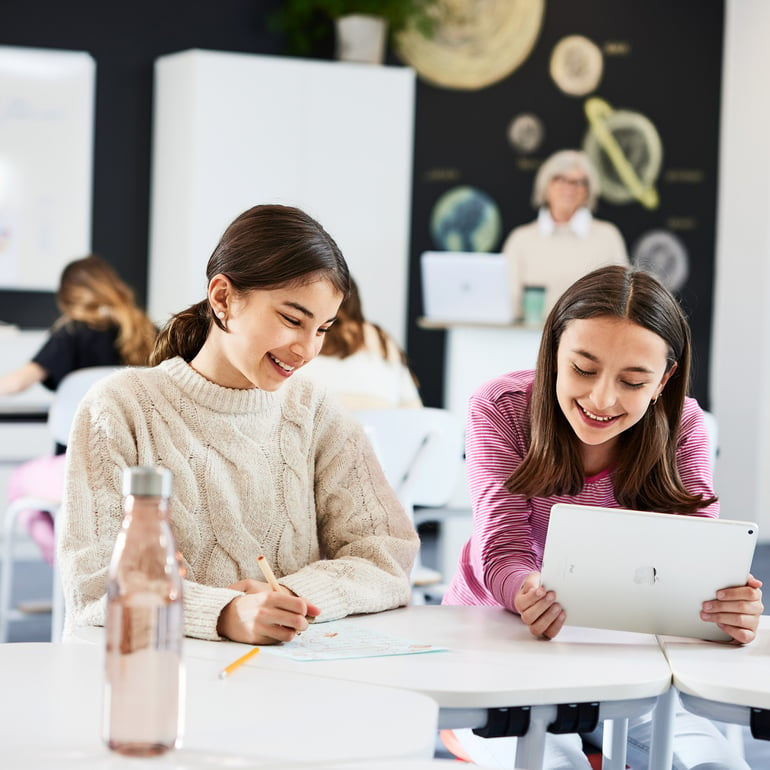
626	149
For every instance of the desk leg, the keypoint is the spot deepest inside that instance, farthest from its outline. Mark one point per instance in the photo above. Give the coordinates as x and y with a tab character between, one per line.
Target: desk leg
530	748
614	744
662	744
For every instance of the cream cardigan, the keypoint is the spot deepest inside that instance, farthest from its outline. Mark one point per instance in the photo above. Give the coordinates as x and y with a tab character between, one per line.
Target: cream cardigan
284	473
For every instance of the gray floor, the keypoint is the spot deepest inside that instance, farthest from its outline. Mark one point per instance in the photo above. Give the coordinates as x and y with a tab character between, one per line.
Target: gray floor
33	582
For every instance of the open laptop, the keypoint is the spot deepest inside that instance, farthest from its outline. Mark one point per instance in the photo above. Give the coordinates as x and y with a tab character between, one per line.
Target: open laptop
470	287
647	572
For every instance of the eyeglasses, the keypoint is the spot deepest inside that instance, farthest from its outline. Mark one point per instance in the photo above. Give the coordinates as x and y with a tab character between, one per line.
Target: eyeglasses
582	182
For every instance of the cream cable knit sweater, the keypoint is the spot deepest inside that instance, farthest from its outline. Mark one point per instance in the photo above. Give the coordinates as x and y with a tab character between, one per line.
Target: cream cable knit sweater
284	473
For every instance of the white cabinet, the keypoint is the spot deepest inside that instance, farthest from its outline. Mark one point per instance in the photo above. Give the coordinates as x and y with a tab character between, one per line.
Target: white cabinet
233	130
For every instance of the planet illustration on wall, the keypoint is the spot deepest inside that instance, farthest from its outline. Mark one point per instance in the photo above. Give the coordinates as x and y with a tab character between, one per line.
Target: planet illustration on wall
576	65
465	219
474	43
626	149
526	133
660	252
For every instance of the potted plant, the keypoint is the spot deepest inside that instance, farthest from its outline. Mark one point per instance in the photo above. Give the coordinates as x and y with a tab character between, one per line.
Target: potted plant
306	22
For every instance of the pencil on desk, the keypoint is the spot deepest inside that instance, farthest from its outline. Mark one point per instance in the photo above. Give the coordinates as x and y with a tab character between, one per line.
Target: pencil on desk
225	672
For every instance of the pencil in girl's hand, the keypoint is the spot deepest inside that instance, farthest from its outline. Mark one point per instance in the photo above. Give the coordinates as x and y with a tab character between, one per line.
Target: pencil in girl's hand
268	573
264	565
225	672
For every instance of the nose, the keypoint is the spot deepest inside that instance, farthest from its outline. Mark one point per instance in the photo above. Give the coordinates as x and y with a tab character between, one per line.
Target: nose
307	345
603	394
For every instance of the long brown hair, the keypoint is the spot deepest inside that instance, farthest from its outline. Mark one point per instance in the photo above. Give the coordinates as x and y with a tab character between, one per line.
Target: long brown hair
266	247
645	475
346	335
90	291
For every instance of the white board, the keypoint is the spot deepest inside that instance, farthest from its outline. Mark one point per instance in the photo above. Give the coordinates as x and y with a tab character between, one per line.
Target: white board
46	161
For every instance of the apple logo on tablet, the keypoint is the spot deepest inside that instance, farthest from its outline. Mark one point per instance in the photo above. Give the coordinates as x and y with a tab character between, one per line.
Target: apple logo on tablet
646	575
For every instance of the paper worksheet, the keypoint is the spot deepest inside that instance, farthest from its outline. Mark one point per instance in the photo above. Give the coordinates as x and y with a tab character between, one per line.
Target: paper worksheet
336	641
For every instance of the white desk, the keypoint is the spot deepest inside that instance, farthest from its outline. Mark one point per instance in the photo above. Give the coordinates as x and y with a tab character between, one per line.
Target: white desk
724	681
51	710
493	662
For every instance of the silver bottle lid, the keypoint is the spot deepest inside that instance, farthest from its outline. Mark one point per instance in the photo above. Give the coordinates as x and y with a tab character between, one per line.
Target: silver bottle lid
147	481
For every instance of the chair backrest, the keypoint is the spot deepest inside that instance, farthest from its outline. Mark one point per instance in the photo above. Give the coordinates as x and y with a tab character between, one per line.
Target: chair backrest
67	397
420	450
712	427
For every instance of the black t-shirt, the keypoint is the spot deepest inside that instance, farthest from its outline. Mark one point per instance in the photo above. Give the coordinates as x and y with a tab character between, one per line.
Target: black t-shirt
75	346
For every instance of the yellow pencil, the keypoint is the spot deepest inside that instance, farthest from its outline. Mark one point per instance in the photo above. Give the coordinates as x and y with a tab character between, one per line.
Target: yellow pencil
268	573
225	672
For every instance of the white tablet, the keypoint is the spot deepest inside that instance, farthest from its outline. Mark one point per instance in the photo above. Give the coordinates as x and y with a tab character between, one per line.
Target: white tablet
647	572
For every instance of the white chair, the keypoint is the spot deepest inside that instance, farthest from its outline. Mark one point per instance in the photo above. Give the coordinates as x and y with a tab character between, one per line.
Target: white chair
66	399
712	428
421	452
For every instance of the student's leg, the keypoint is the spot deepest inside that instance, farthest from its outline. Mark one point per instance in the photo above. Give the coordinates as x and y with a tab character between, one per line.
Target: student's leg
43	477
562	752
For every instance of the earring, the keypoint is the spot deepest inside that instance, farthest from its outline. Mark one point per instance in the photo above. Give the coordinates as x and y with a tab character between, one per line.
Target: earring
221	314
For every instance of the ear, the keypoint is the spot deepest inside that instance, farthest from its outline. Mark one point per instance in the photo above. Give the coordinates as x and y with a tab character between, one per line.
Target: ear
666	378
220	293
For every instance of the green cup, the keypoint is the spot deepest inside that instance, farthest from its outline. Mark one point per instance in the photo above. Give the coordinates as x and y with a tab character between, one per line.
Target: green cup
534	305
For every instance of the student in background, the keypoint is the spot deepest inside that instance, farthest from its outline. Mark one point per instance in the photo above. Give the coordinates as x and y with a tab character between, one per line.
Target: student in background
263	462
362	363
100	325
603	420
565	241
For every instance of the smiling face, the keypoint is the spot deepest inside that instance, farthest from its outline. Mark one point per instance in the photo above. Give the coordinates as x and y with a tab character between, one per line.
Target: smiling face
270	333
608	371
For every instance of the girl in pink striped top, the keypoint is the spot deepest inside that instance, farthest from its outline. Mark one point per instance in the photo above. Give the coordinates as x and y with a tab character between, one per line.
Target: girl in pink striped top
603	420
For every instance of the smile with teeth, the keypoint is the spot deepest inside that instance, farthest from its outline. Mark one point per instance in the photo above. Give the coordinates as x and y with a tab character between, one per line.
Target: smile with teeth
280	363
594	416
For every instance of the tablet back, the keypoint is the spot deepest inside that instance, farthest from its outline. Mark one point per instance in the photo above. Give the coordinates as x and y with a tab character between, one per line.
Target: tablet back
647	572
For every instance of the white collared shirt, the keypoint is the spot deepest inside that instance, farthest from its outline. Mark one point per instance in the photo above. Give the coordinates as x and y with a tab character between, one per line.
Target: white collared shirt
580	223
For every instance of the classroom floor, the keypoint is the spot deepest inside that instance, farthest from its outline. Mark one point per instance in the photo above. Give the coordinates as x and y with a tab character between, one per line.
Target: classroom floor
33	582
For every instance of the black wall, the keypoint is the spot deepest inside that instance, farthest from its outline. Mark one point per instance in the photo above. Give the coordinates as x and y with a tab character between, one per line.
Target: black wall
662	59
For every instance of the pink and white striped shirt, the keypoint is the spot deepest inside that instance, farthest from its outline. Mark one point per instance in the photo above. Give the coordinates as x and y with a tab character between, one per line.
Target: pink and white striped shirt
509	530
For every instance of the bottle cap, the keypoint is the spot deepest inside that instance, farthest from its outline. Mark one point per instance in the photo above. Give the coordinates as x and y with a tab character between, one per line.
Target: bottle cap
147	481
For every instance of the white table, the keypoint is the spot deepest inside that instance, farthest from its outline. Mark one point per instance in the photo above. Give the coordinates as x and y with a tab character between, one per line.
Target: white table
261	716
493	662
725	682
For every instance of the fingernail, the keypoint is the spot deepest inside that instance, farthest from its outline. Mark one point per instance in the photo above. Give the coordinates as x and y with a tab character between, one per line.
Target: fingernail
708	606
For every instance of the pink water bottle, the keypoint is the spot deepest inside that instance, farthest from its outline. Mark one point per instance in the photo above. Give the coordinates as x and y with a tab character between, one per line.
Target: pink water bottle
144	674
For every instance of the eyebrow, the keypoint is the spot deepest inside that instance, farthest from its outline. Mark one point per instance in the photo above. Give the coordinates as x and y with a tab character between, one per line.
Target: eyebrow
595	359
307	313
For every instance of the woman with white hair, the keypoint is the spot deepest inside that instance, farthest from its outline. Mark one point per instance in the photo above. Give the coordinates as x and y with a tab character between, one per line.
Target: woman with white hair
565	241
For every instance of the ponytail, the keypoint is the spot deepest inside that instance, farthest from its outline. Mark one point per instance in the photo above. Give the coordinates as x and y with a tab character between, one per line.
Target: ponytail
184	334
